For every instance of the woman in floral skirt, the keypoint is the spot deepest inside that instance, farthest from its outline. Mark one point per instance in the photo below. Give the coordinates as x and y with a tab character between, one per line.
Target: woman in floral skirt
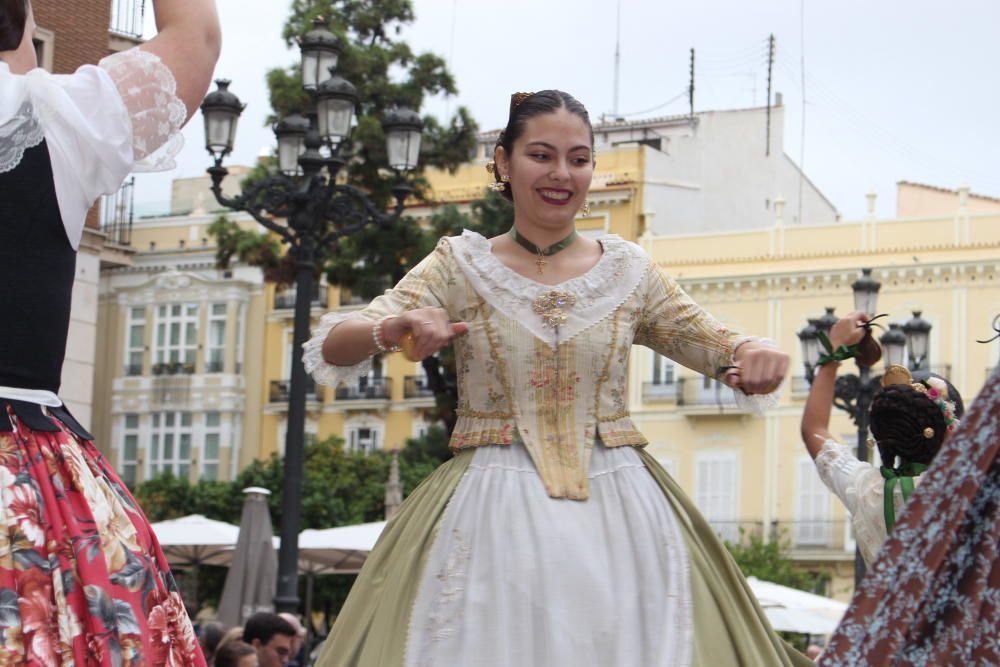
82	578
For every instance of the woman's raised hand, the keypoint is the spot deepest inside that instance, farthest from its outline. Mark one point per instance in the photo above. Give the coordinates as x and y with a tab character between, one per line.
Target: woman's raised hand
430	327
849	329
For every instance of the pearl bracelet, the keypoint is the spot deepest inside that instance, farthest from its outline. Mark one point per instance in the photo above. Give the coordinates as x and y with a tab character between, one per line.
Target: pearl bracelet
380	345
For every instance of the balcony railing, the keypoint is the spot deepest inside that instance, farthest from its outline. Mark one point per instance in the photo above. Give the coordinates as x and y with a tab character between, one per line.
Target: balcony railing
127	17
737	530
379	388
173	368
814	534
116	214
659	391
285	300
702	393
279	390
415	386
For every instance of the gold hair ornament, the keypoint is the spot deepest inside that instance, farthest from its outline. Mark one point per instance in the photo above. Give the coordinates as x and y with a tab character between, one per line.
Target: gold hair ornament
935	389
517	98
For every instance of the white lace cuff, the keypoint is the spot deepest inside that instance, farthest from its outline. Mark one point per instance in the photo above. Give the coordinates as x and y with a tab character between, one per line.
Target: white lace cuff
149	92
757	404
312	353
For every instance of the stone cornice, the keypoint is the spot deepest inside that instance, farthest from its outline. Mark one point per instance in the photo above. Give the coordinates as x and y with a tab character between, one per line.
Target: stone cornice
901	278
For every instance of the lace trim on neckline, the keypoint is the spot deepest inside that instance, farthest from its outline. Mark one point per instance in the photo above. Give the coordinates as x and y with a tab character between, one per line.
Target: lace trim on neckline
596	293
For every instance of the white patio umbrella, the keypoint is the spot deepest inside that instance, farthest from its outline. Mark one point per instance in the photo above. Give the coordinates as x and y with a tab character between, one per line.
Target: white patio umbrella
192	541
340	550
791	610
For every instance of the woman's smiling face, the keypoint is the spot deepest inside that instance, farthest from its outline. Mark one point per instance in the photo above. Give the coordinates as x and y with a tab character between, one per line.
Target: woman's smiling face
550	169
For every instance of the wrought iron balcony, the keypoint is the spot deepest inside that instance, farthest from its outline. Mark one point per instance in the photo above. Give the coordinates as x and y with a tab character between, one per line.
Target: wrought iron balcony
116	214
415	386
173	368
814	534
654	392
127	17
379	388
279	390
286	300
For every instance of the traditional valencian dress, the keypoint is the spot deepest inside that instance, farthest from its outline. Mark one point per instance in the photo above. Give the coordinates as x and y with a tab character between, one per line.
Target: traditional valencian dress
550	538
82	578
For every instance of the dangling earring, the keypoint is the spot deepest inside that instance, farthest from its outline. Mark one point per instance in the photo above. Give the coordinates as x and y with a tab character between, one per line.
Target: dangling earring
585	210
499	186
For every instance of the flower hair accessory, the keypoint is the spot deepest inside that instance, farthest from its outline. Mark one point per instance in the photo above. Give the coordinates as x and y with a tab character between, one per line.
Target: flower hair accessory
935	389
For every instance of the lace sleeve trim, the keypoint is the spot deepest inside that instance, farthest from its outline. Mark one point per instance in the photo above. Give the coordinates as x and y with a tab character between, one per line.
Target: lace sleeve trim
21	132
149	92
312	353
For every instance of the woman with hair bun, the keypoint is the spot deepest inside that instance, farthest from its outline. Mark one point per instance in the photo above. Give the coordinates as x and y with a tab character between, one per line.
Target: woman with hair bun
551	538
911	417
83	580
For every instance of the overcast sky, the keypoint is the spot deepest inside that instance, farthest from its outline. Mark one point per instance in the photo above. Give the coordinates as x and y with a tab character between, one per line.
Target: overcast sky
895	90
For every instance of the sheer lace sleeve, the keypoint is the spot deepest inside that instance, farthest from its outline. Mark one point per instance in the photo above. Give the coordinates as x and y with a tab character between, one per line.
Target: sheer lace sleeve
839	468
148	90
423	287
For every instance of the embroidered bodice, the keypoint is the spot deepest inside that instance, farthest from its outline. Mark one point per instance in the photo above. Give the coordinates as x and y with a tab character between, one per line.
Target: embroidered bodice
546	365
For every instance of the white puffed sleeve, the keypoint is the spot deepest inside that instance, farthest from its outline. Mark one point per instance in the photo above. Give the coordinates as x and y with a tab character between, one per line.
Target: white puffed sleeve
88	136
149	92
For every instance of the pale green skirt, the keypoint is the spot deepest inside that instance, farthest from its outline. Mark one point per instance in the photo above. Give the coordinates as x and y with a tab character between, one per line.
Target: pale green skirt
371	631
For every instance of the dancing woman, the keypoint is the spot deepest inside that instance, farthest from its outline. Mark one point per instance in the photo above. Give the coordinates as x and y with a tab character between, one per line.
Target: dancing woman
933	595
911	417
550	538
82	578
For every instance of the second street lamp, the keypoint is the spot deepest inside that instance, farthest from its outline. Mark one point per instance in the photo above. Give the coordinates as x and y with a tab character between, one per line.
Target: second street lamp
309	210
918	331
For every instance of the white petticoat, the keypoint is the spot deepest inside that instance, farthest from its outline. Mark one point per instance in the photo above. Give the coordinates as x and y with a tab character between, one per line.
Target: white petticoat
518	578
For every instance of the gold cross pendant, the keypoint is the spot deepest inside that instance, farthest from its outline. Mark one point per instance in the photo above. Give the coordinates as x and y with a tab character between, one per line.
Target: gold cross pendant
541	262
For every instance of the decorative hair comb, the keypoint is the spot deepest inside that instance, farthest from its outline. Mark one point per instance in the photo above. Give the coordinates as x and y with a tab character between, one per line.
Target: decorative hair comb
517	98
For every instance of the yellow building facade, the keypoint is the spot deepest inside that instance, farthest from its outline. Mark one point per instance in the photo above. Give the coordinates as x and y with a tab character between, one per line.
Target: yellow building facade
197	359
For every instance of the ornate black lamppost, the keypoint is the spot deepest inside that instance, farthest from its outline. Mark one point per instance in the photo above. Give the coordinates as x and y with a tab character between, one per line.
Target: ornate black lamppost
308	209
853	393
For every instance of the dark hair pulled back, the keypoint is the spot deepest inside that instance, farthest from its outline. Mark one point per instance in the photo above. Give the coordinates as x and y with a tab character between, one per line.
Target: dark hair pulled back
535	104
13	17
901	414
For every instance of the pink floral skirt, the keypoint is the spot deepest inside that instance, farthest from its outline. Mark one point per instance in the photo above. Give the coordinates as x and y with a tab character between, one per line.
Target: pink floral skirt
83	580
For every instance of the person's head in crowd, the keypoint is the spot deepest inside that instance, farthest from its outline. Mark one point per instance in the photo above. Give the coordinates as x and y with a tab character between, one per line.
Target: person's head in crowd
17	31
271	636
813	651
235	653
300	632
209	636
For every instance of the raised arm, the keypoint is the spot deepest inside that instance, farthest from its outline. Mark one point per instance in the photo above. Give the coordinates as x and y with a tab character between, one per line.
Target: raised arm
815	425
188	41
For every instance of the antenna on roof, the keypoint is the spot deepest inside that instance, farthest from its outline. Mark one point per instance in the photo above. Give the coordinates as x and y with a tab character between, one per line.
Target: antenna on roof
618	61
691	86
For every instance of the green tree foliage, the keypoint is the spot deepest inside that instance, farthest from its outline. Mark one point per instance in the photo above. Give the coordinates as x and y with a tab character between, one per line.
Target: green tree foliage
340	487
768	560
387	74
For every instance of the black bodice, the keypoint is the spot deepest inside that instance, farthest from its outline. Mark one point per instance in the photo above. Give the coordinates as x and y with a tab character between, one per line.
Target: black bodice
37	266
